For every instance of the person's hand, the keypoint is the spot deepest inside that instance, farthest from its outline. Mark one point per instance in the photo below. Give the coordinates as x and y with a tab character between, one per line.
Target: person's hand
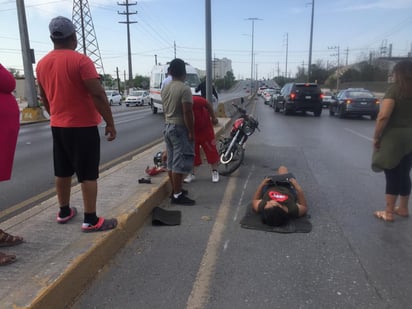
191	136
266	181
164	156
215	121
110	133
376	144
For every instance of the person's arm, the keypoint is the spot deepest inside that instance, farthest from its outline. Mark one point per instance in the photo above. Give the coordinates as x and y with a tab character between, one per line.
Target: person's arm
215	93
385	112
211	113
301	200
46	103
99	97
188	118
257	197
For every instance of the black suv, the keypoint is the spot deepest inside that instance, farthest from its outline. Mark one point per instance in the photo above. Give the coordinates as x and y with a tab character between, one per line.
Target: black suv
296	97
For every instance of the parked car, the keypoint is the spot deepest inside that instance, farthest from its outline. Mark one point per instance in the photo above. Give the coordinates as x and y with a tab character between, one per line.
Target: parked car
355	101
327	98
114	97
138	98
299	97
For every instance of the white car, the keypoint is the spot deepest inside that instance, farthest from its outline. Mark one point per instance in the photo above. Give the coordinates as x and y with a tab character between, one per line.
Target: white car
137	98
114	97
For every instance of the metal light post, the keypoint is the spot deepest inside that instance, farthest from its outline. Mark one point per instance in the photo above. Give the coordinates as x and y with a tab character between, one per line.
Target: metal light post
310	42
252	64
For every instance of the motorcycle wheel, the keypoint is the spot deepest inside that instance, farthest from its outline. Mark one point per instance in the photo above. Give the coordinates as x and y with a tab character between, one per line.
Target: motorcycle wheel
231	163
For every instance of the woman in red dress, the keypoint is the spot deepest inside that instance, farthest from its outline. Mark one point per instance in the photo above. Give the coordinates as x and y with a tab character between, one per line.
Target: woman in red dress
9	130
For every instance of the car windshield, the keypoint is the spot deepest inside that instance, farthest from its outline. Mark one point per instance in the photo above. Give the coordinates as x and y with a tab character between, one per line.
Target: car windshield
136	93
192	80
360	94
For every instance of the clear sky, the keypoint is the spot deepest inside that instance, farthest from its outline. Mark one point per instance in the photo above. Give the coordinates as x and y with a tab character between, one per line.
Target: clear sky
166	27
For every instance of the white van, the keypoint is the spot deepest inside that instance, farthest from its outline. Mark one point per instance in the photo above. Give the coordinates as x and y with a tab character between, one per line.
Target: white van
157	77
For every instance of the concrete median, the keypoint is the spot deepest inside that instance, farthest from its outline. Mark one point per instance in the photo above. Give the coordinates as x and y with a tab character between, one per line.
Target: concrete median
56	262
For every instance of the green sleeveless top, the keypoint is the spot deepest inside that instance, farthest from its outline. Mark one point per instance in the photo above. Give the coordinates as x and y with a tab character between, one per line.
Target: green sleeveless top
396	140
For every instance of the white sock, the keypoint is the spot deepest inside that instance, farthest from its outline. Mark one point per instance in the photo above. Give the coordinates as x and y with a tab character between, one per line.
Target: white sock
177	195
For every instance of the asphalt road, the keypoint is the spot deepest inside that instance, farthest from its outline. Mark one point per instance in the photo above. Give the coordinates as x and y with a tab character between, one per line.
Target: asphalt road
33	178
349	260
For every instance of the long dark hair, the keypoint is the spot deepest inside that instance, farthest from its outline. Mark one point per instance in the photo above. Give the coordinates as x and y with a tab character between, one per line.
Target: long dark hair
403	77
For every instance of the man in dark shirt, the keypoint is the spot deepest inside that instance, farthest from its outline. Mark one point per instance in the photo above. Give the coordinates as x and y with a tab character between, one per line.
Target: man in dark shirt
278	201
202	89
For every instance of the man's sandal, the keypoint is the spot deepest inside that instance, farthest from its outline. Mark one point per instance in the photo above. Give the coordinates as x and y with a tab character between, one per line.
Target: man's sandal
384	215
6	259
7	240
101	225
73	213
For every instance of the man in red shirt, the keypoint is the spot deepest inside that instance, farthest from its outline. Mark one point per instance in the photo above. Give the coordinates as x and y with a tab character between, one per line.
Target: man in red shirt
76	101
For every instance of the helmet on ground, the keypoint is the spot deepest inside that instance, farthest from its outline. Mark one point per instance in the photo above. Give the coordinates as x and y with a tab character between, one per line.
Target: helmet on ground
157	160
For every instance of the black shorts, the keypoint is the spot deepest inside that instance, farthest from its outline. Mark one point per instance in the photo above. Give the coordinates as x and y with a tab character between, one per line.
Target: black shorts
76	150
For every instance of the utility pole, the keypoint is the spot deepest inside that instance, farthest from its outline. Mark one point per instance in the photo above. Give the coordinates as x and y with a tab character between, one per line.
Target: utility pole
286	66
252	64
337	48
310	42
347	55
33	110
208	35
118	79
128	22
174	48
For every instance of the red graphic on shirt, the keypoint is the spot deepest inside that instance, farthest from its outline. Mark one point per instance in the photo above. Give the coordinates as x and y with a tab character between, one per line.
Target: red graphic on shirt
277	196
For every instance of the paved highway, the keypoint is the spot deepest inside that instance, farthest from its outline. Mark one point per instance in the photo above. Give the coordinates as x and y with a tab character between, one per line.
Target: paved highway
349	260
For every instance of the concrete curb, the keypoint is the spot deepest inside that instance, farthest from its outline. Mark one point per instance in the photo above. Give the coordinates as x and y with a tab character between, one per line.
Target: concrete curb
86	266
61	261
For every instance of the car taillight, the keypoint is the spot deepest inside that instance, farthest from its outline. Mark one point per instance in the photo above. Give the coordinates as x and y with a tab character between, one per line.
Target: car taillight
292	96
321	96
348	101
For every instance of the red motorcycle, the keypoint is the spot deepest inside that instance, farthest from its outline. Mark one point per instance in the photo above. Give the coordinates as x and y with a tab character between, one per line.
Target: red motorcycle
231	149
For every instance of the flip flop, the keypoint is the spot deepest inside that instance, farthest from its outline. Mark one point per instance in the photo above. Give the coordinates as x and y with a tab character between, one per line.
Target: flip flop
101	225
7	240
6	259
383	215
73	213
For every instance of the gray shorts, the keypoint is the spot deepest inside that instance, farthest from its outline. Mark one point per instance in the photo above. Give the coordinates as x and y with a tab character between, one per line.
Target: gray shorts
180	150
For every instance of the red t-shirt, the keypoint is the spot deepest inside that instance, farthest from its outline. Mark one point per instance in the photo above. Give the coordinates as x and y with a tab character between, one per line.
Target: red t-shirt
61	73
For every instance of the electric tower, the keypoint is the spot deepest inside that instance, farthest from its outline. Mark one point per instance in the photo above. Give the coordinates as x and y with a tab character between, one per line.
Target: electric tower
86	36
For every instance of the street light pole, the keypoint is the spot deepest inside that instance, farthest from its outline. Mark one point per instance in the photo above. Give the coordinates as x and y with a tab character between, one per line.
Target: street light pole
252	64
310	42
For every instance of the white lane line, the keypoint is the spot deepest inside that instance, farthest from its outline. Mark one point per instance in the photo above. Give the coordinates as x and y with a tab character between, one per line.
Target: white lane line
358	134
199	295
243	193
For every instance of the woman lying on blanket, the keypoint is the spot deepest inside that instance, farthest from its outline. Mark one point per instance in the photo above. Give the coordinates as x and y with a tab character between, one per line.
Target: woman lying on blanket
279	198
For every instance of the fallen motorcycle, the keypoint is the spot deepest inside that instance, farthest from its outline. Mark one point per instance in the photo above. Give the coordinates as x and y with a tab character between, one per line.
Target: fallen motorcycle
231	149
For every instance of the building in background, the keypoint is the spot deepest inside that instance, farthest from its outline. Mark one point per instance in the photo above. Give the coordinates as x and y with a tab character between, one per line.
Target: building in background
220	67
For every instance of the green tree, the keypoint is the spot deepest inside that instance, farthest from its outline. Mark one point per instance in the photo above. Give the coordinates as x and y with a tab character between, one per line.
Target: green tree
141	82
